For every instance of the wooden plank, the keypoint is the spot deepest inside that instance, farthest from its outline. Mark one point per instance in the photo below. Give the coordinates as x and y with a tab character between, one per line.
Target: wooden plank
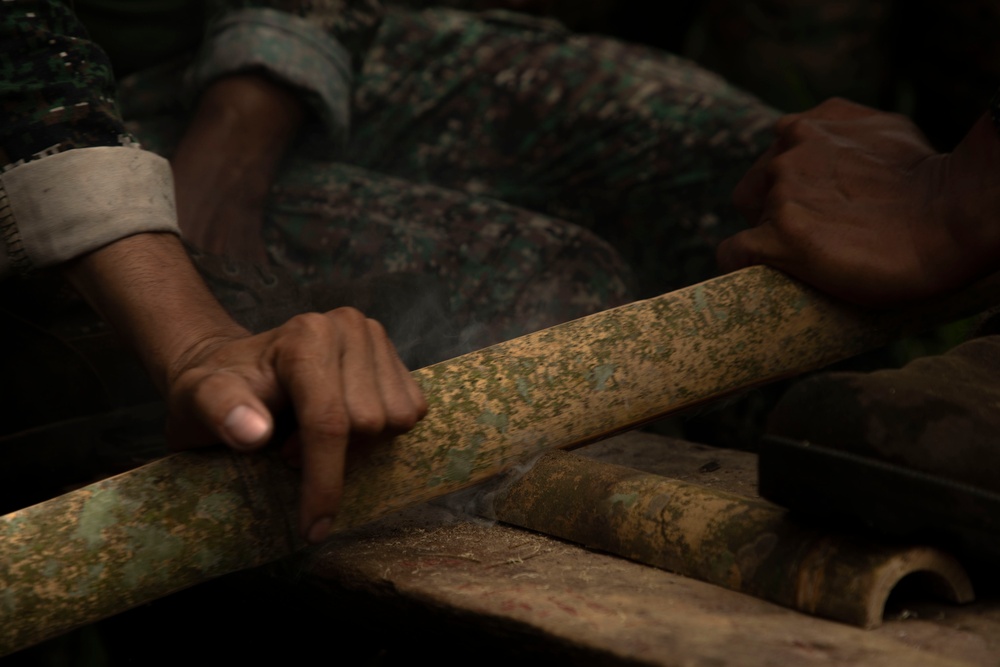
570	605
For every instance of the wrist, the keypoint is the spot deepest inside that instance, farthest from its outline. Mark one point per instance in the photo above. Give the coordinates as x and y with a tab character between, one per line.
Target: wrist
146	288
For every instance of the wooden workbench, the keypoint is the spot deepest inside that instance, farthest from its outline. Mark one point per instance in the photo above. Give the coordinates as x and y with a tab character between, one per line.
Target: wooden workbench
465	591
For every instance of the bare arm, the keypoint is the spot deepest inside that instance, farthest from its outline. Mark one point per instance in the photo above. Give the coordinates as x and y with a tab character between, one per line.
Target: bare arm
262	65
226	162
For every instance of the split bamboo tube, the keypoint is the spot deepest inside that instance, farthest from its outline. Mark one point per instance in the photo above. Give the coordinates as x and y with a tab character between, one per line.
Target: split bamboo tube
743	544
179	521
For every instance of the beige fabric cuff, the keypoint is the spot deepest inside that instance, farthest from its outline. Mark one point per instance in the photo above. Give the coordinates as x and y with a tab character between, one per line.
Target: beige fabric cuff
71	203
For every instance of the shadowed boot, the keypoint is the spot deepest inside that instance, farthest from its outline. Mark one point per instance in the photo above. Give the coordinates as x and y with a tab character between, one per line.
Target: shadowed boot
939	415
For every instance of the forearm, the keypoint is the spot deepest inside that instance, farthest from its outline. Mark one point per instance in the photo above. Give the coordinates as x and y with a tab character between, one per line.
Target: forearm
238	135
313	47
227	161
263	69
147	289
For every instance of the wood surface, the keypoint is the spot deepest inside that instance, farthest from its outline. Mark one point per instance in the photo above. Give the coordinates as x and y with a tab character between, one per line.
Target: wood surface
743	544
436	576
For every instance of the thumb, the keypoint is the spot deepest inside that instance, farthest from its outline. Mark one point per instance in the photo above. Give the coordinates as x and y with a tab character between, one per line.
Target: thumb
219	406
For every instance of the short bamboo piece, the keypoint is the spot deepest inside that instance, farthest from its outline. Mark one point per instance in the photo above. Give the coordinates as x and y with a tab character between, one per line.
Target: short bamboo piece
743	544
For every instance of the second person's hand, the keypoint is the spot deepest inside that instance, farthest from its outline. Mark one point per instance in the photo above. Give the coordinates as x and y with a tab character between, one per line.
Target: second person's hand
856	202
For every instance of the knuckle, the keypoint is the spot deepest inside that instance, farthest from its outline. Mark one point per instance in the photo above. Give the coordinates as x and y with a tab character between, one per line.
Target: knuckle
377	330
368	421
349	316
834	107
839	108
421	406
308	324
404	420
796	129
305	338
786	122
782	170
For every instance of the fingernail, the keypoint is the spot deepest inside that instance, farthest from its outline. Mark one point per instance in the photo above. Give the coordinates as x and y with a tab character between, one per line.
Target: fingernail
320	530
245	426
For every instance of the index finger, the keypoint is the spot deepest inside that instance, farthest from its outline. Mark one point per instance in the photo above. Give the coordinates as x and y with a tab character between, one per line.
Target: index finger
308	365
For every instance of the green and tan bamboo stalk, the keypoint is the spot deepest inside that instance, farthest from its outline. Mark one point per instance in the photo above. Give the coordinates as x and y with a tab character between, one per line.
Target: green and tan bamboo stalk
743	544
179	521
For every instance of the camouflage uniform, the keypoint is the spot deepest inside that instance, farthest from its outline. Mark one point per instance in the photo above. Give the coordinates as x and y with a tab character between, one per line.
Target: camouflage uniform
471	129
51	103
475	140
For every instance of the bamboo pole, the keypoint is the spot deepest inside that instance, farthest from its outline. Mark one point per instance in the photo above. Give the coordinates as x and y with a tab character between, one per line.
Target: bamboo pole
743	544
179	521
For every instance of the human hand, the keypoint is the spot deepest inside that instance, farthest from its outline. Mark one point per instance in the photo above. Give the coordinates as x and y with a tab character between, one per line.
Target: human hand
337	371
855	202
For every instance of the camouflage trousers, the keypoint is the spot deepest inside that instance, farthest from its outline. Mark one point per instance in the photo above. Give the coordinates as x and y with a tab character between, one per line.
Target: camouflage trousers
537	174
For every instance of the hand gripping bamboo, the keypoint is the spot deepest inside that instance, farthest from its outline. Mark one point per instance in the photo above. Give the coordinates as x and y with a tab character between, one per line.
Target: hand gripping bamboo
190	517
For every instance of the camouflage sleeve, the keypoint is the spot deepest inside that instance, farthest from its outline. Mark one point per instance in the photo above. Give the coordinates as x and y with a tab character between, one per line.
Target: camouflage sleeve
311	45
57	87
73	180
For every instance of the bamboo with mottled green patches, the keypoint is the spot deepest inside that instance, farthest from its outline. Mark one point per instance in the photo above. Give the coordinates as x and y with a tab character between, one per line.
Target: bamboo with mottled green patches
182	520
743	544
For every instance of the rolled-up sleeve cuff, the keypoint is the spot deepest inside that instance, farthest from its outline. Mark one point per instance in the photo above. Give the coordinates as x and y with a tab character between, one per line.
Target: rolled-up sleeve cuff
289	49
71	203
